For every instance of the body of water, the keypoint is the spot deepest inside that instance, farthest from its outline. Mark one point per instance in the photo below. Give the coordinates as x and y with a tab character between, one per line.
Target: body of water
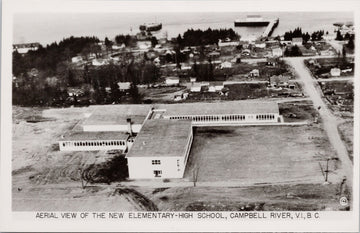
46	28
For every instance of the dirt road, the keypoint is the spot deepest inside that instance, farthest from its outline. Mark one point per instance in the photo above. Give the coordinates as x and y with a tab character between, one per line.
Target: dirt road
330	122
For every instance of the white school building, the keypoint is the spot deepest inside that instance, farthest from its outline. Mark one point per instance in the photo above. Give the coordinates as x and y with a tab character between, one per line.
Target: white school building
157	138
161	150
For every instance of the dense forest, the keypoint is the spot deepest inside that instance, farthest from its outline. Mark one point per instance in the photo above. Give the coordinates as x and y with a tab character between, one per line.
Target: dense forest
42	77
315	36
210	36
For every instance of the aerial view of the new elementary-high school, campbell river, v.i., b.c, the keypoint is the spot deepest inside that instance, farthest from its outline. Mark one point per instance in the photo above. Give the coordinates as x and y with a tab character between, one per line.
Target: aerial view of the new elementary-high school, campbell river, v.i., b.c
254	112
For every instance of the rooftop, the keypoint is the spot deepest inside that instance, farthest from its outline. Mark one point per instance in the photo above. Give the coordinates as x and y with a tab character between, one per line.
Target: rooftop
81	135
118	114
161	138
231	107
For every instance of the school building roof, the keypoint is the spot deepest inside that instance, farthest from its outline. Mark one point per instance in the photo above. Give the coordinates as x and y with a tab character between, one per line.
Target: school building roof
161	138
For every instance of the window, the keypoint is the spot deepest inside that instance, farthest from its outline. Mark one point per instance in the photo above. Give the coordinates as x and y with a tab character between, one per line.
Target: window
155	162
157	173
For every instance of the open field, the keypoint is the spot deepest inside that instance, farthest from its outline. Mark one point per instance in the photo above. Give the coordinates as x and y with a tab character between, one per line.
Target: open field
296	197
296	111
346	131
260	154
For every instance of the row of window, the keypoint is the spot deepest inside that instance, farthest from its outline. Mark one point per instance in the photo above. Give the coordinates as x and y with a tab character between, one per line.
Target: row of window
95	143
210	118
265	117
155	162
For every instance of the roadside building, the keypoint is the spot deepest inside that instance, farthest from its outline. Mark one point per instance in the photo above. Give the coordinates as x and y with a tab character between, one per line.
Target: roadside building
277	52
75	92
297	41
100	62
216	86
254	73
227	42
76	59
195	87
124	86
25	48
214	54
335	72
172	80
271	61
161	150
260	44
192	79
225	65
279	81
144	45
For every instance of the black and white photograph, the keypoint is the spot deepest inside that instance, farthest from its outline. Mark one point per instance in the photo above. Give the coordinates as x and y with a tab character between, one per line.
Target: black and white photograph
200	112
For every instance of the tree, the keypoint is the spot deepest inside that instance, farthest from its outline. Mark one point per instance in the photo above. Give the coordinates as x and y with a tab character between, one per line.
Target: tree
154	41
339	36
108	43
350	43
134	93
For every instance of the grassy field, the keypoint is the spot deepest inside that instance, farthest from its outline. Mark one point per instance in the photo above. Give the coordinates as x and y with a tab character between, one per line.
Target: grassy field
261	154
347	135
292	197
298	111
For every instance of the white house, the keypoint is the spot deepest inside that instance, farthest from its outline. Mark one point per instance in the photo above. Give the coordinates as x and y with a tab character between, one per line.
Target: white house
76	59
25	48
100	62
117	47
277	52
172	80
195	87
124	86
297	41
192	79
335	72
254	73
144	45
225	65
160	150
227	43
260	44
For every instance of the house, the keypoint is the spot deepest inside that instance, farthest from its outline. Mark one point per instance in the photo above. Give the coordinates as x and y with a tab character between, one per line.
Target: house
216	86
177	97
124	86
25	48
297	41
118	47
75	92
346	70
260	44
335	72
245	52
254	73
161	150
192	79
172	80
157	61
214	54
225	65
76	59
144	45
279	81
197	87
277	52
271	61
227	42
99	62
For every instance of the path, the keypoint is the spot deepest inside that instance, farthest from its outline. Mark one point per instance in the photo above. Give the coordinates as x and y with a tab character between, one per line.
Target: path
330	122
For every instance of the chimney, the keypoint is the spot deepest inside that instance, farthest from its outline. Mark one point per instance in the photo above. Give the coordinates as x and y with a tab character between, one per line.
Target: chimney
128	120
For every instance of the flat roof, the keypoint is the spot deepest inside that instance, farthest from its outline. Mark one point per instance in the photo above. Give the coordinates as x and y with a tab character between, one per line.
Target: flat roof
93	136
161	138
220	108
118	114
